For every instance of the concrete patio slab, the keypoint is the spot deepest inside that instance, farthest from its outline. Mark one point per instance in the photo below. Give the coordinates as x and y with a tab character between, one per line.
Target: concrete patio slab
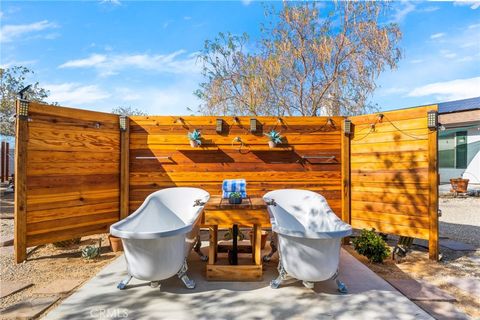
455	245
62	286
370	297
420	290
9	287
442	310
29	309
447	243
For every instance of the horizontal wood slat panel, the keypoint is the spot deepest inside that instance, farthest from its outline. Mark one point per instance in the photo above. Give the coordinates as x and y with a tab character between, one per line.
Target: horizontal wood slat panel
385	227
264	169
390	172
72	173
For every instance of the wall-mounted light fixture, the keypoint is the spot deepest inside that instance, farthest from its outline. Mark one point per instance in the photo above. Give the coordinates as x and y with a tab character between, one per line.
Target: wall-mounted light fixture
347	126
123	123
432	119
253	125
219	125
380	117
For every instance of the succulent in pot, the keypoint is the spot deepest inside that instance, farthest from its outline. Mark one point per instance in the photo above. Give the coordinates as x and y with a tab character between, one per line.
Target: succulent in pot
195	138
235	198
274	138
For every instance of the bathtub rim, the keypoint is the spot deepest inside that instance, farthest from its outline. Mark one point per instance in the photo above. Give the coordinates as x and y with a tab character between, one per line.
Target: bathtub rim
125	234
347	231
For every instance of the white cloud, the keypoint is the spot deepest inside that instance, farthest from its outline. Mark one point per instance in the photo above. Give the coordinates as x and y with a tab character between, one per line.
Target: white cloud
472	26
402	12
114	2
187	18
472	4
449	90
91	61
12	63
448	54
10	32
246	2
75	94
177	62
437	35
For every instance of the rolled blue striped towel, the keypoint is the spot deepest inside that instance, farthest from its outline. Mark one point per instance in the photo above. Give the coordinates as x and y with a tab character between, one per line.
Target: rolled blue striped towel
234	185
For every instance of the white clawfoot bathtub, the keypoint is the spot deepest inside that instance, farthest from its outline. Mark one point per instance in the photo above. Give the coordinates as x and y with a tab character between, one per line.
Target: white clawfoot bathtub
159	235
309	236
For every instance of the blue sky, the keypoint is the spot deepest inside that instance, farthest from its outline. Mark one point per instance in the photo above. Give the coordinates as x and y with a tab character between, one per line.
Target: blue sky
102	54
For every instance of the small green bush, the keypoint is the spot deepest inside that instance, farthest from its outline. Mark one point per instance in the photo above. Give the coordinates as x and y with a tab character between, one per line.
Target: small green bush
372	246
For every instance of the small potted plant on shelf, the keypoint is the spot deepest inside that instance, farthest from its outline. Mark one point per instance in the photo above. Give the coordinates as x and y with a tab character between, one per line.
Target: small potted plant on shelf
459	185
274	138
195	138
235	198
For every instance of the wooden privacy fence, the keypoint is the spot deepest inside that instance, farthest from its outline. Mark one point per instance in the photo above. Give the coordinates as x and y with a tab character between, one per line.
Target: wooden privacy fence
79	171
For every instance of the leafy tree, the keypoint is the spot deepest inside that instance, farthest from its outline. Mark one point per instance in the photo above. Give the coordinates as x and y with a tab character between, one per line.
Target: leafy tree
304	64
12	80
128	111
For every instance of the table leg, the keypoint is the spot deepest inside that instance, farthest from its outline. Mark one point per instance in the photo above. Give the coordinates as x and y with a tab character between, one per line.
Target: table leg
212	249
235	244
257	236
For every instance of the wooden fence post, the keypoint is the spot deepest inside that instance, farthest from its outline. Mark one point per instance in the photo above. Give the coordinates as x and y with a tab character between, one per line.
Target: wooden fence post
7	161
124	166
2	168
346	176
20	242
433	251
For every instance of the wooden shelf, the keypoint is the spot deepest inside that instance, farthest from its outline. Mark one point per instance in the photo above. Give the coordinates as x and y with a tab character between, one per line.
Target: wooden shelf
267	148
206	148
243	272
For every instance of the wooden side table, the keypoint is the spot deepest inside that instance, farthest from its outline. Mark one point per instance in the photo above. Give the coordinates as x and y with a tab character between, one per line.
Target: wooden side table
252	212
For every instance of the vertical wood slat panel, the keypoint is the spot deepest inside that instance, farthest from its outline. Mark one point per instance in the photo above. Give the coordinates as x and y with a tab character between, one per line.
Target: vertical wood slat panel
20	243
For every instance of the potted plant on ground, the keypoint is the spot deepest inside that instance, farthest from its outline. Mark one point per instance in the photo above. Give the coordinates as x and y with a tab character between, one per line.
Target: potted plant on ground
459	185
274	138
235	198
195	138
115	243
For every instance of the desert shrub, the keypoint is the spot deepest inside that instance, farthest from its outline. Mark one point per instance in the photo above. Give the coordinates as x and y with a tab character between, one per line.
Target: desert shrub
372	246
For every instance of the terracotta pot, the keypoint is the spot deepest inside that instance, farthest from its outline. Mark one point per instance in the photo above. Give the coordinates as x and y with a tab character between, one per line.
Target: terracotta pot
459	185
263	242
194	144
272	144
115	243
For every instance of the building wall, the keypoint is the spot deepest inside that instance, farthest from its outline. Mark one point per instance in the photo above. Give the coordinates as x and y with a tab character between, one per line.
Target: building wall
472	172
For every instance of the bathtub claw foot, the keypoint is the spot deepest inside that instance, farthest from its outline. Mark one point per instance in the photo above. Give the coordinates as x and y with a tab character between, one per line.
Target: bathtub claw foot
197	249
182	274
282	275
308	284
342	288
154	284
123	284
273	239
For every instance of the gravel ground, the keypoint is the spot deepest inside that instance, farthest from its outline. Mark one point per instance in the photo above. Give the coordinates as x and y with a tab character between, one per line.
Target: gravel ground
460	219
